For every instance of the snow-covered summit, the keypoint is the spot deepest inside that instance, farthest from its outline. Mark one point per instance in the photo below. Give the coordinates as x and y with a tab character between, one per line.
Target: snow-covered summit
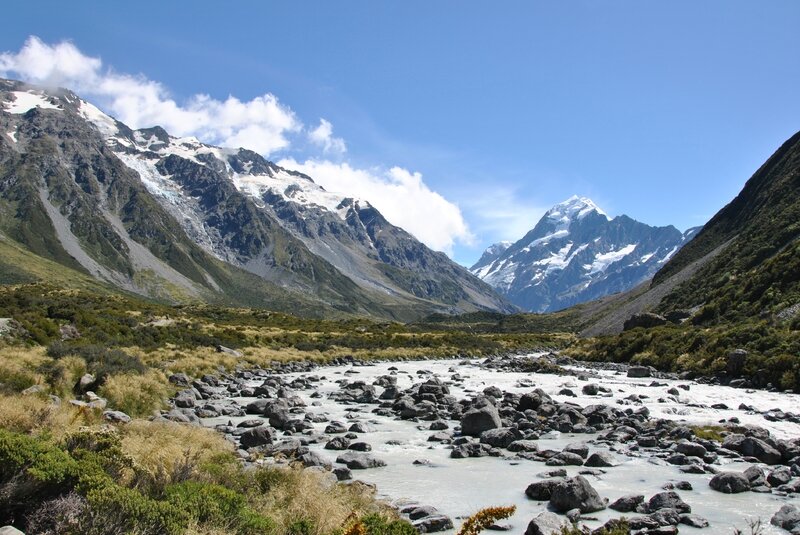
573	208
576	253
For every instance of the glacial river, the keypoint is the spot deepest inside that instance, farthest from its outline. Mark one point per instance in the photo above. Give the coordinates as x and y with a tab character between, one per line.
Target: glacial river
459	487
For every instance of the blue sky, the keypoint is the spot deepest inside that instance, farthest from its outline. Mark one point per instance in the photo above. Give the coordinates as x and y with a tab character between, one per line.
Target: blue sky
659	110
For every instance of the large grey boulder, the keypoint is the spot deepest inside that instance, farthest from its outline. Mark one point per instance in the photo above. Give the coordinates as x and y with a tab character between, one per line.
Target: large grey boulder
433	524
359	461
730	482
628	503
541	490
546	523
639	371
501	437
256	436
788	518
668	500
576	493
600	459
10	530
476	421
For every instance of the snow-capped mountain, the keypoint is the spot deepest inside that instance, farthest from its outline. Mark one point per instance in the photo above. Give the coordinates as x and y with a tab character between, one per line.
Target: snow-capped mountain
576	253
155	213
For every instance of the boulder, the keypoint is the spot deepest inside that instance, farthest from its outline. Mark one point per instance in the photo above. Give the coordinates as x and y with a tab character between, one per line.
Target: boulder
359	461
600	459
755	447
627	504
591	389
501	437
694	521
576	493
779	476
338	443
639	371
668	500
476	421
692	449
433	524
541	490
116	417
256	436
10	530
788	518
730	482
546	523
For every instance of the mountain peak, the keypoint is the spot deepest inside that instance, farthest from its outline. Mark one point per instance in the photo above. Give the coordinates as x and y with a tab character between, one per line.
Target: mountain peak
574	208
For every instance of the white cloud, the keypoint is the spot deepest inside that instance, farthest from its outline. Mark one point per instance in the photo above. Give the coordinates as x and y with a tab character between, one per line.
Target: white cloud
262	124
322	136
400	195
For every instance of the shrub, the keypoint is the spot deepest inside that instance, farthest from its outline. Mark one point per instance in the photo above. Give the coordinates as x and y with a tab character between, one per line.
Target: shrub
32	470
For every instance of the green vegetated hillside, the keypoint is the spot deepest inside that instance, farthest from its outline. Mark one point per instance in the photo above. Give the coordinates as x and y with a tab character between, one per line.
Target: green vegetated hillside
736	285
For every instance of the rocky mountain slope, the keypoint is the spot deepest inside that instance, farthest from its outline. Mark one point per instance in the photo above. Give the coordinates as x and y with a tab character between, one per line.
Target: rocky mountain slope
576	253
741	267
175	219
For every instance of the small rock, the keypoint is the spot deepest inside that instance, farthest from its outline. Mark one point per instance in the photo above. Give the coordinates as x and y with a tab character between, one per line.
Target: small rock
116	417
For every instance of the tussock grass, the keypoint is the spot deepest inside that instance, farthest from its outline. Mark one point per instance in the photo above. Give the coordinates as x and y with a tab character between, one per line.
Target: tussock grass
166	452
19	367
37	415
294	495
137	395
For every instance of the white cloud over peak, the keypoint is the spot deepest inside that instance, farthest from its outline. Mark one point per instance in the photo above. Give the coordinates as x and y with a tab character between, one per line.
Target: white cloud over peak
322	136
400	195
262	124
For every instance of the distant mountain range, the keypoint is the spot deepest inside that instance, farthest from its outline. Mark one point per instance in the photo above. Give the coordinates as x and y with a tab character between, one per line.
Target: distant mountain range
576	253
178	220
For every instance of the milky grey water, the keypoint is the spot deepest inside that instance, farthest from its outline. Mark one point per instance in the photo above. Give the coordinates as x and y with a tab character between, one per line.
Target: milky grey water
459	487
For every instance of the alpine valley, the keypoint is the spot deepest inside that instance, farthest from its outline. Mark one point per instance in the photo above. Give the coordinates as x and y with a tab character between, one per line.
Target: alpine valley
177	220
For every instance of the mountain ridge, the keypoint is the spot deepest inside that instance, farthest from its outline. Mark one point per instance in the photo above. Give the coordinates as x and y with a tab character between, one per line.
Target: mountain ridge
576	253
142	210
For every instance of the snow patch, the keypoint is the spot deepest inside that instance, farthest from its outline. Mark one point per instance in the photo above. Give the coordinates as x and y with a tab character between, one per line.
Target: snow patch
603	260
25	101
105	124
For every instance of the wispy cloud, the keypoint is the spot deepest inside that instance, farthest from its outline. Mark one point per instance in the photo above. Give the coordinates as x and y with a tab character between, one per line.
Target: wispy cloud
322	136
501	213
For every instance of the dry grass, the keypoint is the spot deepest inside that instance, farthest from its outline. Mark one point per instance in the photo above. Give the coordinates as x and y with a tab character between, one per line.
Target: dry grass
35	415
309	495
165	452
137	395
19	367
